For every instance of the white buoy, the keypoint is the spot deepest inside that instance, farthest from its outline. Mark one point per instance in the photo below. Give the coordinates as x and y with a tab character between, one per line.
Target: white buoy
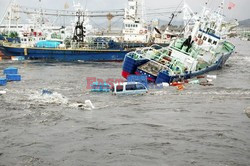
247	111
2	92
89	104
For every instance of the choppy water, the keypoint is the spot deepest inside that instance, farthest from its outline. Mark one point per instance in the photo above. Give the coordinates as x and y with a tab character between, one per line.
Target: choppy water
198	126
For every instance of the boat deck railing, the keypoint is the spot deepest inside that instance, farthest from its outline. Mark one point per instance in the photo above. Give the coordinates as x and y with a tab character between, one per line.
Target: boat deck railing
82	46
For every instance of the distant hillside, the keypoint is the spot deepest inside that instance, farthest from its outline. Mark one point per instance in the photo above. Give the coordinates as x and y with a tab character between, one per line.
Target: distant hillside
245	23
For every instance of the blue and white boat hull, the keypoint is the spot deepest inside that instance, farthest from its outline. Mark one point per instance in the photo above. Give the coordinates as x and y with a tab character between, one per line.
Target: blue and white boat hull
66	54
130	67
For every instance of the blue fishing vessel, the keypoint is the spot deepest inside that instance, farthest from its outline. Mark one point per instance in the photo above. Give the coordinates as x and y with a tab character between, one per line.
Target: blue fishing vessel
205	50
73	50
65	54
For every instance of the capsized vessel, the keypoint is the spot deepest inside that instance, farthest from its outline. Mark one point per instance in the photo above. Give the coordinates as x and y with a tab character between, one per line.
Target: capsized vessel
205	49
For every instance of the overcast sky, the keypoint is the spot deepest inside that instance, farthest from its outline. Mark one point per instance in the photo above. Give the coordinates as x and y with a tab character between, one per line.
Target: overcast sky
240	12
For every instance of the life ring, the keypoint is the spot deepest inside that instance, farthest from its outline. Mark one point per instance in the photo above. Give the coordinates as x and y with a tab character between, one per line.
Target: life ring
141	31
200	42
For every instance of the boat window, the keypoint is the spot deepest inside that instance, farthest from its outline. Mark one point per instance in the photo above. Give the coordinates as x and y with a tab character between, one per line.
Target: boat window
215	42
211	31
131	87
204	38
119	88
140	87
210	40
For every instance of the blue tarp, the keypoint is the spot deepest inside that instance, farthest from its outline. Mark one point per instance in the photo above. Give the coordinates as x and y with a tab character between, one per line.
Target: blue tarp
48	44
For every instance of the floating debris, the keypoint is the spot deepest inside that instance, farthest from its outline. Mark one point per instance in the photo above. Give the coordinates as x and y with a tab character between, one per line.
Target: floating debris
247	111
2	92
180	87
13	77
46	92
3	82
194	82
89	104
10	70
212	76
100	87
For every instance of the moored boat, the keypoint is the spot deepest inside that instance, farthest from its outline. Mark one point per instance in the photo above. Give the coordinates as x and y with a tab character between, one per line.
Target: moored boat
65	54
62	50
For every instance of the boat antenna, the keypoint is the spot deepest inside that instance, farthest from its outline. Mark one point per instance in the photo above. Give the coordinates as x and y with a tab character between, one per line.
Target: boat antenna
171	19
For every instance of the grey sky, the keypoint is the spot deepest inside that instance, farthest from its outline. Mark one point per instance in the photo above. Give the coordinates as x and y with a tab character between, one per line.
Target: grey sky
241	11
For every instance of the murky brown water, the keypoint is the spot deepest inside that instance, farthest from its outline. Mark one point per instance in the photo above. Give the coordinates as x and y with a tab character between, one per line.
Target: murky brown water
198	126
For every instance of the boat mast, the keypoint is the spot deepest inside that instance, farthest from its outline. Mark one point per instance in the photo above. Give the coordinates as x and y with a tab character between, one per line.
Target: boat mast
10	13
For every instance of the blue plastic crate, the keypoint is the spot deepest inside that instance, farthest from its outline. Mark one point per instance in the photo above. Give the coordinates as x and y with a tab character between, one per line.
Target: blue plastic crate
10	70
3	81
13	77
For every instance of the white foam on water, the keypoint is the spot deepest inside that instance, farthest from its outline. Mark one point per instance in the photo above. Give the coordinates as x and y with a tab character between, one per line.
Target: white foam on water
57	98
89	104
54	98
2	92
80	106
247	111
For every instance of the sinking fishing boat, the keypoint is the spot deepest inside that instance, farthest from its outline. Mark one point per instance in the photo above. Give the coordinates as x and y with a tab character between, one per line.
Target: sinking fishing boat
205	50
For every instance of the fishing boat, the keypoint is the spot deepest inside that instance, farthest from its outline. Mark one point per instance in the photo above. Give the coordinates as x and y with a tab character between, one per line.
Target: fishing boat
73	49
206	49
78	47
